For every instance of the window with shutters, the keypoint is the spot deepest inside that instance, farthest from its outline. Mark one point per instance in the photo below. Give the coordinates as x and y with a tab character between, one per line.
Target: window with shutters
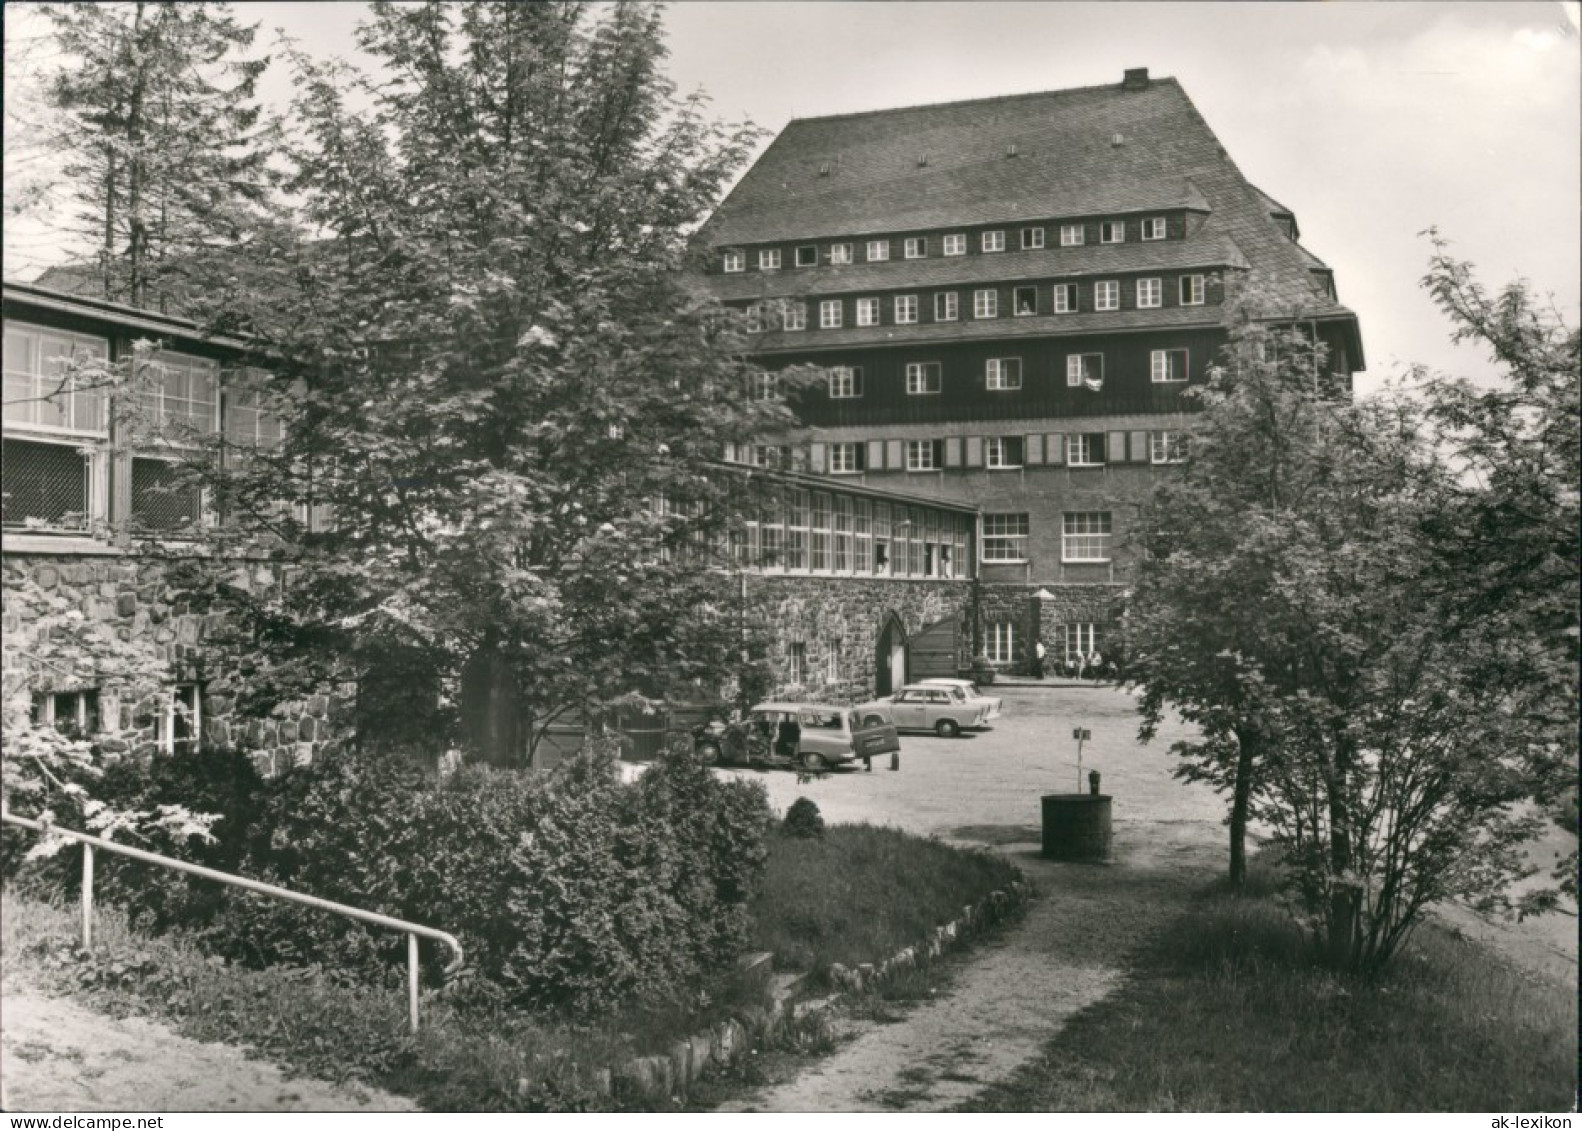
999	642
1191	290
1112	231
905	309
1004	373
922	378
807	255
994	241
867	312
946	306
845	382
829	315
1085	536
917	247
1065	298
1154	228
986	303
955	245
1005	537
1072	235
1107	295
924	455
878	251
846	458
1002	452
1085	449
1167	366
735	261
1150	293
840	254
1032	238
769	259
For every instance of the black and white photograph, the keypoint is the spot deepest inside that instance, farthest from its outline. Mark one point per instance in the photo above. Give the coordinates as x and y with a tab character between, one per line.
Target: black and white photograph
856	557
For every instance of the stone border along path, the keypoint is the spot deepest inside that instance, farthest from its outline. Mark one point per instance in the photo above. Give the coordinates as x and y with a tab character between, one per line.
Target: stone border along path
1067	953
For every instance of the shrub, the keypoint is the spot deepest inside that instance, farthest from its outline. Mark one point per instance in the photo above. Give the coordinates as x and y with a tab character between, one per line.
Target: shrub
803	820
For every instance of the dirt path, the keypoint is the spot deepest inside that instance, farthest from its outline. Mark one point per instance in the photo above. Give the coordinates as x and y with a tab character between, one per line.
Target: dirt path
57	1056
1003	1008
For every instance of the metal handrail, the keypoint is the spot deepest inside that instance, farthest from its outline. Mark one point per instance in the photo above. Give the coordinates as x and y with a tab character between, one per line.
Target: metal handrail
413	931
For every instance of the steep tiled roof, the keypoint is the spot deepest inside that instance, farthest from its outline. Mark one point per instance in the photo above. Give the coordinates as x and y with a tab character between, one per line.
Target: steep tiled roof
1065	262
1082	152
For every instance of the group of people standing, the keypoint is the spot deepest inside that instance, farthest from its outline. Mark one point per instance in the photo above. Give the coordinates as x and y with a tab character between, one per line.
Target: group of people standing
1076	665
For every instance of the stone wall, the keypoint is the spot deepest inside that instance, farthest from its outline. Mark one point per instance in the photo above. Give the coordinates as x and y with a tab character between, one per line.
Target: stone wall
130	598
1039	613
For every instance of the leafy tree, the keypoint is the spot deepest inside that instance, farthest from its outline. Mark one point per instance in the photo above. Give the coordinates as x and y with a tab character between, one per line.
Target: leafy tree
499	399
159	134
1293	603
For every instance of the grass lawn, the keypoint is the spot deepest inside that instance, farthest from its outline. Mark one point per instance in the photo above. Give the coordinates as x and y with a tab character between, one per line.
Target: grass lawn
862	892
1228	1012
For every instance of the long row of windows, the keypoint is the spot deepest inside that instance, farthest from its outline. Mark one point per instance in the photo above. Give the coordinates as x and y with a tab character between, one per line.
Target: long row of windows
1084	537
1101	296
1000	374
997	453
842	253
802	530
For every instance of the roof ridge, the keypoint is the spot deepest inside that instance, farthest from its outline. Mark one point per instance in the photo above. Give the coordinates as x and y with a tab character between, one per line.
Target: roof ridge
975	101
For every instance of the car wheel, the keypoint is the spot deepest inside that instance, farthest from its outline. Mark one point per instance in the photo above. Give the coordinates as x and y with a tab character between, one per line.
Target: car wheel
709	753
947	728
812	761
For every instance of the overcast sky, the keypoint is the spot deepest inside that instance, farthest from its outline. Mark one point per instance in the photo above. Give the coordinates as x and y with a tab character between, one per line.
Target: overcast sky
1371	121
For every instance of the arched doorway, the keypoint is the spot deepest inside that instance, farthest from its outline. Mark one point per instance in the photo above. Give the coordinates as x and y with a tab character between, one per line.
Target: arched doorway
890	656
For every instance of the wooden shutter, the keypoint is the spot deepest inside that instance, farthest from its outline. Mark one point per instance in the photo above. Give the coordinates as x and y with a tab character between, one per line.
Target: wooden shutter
1115	448
875	455
1033	450
815	458
894	455
1054	448
953	451
1139	447
974	451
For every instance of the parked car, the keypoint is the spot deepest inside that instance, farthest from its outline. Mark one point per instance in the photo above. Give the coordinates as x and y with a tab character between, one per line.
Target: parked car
968	690
814	736
943	710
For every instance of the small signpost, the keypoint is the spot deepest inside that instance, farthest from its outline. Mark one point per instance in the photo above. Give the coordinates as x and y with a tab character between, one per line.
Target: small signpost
1081	734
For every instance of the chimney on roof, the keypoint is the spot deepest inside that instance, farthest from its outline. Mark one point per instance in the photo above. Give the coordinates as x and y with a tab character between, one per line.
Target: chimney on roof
1136	79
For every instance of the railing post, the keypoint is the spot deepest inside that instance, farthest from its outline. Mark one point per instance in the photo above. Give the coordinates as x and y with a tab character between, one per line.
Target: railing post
411	977
87	897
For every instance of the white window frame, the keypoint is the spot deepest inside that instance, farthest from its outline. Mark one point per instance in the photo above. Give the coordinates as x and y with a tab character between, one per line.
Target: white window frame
46	710
878	251
1150	293
184	700
765	385
806	255
867	312
1032	239
845	457
1192	290
793	315
1003	373
999	642
1167	447
986	303
920	375
1073	235
1016	304
1005	537
951	302
1154	228
1107	295
796	661
769	259
30	387
735	261
1112	231
1085	536
955	244
1161	370
840	254
923	455
997	453
1085	638
1065	298
845	382
1079	369
829	314
1081	454
916	247
993	241
906	310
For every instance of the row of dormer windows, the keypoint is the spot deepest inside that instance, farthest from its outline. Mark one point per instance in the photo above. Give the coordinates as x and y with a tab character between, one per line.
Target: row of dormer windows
981	241
979	303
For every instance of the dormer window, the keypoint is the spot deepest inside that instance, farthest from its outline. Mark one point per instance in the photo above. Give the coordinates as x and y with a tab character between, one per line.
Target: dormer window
867	312
1154	228
994	241
794	315
1150	293
878	251
1112	231
840	254
1191	290
1032	238
917	247
1072	235
829	315
1107	295
807	255
1025	301
769	259
1065	298
735	260
905	309
986	303
945	306
956	245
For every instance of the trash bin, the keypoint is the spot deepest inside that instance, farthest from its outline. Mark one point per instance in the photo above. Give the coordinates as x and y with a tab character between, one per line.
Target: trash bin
1076	826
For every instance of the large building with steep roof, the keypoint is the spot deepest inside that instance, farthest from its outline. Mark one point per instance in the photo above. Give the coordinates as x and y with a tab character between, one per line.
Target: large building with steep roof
1009	297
